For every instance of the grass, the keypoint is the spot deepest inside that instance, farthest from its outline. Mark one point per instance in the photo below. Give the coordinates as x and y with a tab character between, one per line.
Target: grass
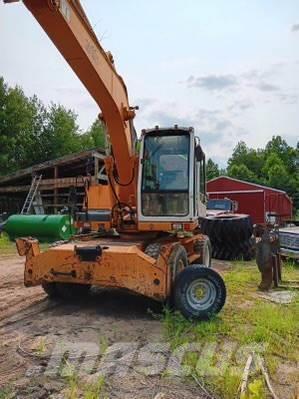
246	320
76	388
6	393
41	346
6	246
95	390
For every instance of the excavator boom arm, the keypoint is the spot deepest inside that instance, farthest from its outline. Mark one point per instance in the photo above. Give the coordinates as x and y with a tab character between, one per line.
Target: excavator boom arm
67	25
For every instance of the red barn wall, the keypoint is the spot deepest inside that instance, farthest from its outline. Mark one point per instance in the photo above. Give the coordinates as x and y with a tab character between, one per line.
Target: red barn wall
279	203
253	199
245	201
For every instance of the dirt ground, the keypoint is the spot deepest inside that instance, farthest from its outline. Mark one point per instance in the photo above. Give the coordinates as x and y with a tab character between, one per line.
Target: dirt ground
31	326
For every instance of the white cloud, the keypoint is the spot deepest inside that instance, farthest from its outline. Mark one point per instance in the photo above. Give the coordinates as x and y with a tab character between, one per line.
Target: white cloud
212	82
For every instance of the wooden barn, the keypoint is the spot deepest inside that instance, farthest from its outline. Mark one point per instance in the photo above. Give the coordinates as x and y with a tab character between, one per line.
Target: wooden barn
58	179
260	202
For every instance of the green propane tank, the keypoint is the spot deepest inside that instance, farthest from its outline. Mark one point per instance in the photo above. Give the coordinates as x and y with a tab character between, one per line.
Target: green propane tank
42	227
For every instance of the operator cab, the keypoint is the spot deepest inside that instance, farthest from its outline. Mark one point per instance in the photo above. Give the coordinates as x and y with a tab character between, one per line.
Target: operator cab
172	184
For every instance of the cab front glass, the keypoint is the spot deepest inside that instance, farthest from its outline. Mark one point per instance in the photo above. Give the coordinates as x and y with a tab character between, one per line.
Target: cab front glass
165	176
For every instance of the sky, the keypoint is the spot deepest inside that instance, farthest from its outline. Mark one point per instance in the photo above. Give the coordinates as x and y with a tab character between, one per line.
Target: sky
229	68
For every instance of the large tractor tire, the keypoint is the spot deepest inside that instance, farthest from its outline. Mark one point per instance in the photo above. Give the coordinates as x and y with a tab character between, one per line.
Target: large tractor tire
231	236
199	292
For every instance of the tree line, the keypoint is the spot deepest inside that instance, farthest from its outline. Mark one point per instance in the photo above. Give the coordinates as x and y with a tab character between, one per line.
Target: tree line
31	132
276	165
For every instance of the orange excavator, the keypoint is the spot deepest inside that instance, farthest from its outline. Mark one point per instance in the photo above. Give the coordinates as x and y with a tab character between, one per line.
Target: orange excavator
144	225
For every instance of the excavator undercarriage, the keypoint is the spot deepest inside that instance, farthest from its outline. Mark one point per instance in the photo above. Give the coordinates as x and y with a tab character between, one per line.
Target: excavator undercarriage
121	262
153	270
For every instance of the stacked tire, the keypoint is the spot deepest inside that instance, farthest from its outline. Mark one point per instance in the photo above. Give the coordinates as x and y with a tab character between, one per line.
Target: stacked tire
231	236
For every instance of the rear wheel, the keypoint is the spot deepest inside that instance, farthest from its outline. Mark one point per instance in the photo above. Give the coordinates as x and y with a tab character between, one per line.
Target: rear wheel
203	247
207	254
72	290
178	258
50	289
65	290
178	261
199	292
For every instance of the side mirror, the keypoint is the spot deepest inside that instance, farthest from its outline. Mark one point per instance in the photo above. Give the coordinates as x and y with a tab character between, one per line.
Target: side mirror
199	154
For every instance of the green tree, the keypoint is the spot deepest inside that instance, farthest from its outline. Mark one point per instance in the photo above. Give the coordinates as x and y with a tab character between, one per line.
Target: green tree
19	128
241	172
287	154
95	136
272	160
277	175
212	169
275	166
31	133
61	133
251	158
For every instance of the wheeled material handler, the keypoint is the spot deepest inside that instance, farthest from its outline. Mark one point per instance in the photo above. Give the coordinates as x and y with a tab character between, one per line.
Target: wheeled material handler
146	219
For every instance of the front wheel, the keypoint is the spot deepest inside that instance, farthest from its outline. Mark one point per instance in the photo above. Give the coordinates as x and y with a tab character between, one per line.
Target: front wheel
199	292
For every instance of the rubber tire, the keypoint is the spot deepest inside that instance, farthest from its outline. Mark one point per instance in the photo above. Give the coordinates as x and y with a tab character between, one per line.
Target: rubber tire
50	289
200	248
231	237
208	247
153	250
249	249
72	290
183	281
178	254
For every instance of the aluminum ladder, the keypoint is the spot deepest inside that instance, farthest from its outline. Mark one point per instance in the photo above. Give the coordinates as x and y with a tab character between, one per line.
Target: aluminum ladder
31	194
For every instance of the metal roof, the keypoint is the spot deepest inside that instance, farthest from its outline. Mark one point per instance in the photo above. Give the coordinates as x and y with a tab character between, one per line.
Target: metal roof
248	182
97	153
